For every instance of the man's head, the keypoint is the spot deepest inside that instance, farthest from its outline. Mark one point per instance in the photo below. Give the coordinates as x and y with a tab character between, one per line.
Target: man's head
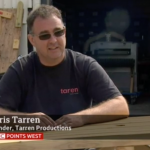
47	34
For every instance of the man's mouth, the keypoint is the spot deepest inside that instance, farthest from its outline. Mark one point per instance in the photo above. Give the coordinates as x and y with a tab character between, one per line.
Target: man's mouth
53	48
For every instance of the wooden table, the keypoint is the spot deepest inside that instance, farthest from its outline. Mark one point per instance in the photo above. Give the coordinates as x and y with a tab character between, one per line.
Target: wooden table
129	132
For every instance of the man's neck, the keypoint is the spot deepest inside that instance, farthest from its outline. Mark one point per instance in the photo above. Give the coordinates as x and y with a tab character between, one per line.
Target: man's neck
52	62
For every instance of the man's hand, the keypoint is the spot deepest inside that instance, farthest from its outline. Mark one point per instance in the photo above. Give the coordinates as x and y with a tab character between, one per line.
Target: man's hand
44	119
71	120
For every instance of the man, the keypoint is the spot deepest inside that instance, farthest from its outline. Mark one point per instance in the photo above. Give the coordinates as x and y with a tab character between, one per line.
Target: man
54	80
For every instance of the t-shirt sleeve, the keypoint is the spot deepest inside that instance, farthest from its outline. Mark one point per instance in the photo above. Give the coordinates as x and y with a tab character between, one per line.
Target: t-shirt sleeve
10	90
99	85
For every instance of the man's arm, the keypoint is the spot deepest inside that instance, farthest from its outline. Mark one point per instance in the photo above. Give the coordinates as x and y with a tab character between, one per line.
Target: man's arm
8	112
111	105
44	119
109	110
11	98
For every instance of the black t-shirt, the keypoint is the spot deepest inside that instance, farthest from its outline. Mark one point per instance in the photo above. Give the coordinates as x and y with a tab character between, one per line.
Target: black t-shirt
29	86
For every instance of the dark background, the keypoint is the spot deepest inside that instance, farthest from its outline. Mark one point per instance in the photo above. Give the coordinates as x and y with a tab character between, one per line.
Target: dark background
138	31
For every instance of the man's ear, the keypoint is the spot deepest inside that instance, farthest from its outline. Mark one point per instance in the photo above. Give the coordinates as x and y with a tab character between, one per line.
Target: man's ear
31	39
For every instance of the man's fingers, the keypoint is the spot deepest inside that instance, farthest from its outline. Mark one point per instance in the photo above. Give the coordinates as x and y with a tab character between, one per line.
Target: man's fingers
49	120
42	123
60	121
64	121
66	124
45	120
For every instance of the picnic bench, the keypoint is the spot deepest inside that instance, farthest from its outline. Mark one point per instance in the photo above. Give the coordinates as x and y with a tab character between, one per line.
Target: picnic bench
123	134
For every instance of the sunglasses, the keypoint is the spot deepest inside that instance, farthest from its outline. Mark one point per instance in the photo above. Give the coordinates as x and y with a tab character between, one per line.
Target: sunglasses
48	35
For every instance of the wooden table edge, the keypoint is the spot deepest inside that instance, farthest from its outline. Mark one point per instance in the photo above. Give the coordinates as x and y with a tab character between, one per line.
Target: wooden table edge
72	144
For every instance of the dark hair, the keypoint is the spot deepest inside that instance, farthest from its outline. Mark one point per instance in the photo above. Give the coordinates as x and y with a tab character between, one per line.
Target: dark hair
43	11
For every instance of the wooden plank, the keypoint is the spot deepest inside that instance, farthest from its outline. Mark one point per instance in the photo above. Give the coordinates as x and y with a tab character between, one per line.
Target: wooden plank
125	128
70	144
25	9
117	148
5	14
135	124
145	147
23	49
27	4
87	131
9	33
101	135
0	25
125	148
19	15
129	120
16	44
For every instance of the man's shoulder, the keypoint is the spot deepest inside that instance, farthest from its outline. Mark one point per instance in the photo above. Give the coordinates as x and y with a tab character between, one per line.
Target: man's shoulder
27	58
25	61
81	62
79	57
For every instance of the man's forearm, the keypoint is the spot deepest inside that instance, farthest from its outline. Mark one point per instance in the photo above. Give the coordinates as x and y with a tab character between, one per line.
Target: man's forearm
5	112
8	112
37	118
108	111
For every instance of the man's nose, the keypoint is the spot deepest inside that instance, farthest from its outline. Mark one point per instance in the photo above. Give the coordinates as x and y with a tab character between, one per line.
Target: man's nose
52	39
